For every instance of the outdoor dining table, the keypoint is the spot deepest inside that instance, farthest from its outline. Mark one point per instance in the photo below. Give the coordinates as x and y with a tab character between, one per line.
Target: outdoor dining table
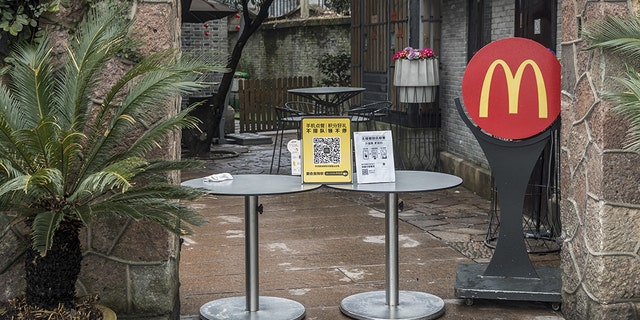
252	306
393	303
329	99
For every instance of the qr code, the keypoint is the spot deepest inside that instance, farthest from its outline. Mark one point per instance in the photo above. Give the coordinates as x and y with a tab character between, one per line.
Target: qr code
368	168
326	150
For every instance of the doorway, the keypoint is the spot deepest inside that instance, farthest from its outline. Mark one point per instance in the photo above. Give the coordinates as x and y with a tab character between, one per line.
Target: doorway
537	20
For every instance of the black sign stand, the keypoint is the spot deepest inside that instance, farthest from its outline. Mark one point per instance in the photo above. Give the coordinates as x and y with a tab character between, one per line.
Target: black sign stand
510	274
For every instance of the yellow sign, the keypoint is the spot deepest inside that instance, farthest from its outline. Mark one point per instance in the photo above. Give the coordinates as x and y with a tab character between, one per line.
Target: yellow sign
326	150
513	87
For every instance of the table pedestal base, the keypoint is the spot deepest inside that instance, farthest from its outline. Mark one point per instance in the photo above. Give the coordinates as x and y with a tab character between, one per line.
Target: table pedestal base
269	308
412	306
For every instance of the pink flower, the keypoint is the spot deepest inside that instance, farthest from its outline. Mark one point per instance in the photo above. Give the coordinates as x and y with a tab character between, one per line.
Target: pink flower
410	53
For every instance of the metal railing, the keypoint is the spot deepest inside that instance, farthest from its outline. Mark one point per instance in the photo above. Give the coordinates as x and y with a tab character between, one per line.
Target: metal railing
282	7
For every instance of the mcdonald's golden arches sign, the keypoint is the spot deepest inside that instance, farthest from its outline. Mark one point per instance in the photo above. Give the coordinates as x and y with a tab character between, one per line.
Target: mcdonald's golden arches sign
511	88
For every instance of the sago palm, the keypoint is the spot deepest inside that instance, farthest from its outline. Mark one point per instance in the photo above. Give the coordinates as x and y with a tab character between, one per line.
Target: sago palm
66	160
621	36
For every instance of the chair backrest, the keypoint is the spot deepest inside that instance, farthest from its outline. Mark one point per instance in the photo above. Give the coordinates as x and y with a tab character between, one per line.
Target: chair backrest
378	107
302	107
373	109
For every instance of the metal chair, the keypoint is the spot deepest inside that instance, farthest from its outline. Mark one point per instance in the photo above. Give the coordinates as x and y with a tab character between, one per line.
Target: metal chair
368	114
289	117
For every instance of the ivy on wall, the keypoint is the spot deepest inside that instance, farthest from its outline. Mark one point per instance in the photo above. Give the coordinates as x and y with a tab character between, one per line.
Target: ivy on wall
21	20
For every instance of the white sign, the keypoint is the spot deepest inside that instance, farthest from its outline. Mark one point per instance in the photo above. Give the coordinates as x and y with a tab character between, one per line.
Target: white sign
296	158
374	156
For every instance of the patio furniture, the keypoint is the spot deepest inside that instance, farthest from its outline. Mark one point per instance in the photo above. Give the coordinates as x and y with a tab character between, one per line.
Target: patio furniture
392	303
252	306
368	114
328	100
289	117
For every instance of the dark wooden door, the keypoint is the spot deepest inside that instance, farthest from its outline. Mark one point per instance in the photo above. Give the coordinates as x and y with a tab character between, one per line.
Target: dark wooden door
537	20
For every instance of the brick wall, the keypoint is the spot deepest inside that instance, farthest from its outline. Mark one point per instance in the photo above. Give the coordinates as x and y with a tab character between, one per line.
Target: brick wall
457	139
502	19
215	40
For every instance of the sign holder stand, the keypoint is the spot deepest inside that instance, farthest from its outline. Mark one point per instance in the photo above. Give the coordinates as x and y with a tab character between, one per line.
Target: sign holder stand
510	274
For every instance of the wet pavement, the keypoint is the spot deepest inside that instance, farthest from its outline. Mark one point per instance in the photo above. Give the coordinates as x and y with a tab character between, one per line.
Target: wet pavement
321	246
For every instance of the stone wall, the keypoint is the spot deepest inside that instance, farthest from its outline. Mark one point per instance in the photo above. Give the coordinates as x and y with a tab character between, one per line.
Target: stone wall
291	48
600	194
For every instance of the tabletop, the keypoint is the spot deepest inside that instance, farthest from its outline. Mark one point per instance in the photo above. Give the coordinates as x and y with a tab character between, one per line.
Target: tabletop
253	185
406	181
326	90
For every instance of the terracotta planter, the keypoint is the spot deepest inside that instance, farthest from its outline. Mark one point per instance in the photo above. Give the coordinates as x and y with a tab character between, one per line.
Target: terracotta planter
416	81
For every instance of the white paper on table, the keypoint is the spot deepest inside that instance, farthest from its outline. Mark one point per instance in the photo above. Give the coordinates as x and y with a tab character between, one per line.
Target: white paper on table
296	157
374	156
219	177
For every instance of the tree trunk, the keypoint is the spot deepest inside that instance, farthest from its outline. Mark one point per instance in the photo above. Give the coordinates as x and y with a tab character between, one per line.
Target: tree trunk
51	279
212	122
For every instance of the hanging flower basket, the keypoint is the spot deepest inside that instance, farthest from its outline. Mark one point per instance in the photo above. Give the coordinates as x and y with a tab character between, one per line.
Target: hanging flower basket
416	75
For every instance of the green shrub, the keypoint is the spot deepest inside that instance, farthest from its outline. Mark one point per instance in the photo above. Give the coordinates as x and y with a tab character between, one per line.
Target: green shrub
336	69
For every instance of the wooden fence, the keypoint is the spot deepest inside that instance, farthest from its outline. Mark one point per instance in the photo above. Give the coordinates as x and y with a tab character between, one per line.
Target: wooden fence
257	99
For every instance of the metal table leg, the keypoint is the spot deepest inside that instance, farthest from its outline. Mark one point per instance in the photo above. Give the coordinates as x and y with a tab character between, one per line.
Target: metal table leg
252	306
392	303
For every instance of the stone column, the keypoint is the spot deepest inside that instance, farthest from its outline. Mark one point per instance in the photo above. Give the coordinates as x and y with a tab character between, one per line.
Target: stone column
600	182
132	266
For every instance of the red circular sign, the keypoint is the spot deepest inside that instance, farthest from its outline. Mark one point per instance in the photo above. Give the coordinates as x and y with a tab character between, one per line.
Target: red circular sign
511	88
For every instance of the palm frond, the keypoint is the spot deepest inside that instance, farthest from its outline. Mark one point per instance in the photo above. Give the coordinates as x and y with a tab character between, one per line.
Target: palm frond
159	83
172	215
7	170
32	84
43	228
156	171
156	202
49	180
102	35
11	148
618	34
115	176
9	107
621	35
627	103
151	137
44	183
18	183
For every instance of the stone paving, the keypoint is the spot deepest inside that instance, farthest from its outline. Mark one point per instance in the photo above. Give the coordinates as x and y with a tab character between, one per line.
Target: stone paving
451	225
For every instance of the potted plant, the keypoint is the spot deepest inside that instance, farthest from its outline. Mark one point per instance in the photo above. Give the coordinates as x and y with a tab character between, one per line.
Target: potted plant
416	75
68	157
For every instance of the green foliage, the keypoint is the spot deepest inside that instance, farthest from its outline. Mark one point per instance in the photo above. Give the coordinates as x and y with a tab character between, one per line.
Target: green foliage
340	6
621	35
65	158
19	18
336	69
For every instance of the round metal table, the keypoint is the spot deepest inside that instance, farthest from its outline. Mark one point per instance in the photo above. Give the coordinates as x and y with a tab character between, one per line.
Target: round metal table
252	306
328	98
393	303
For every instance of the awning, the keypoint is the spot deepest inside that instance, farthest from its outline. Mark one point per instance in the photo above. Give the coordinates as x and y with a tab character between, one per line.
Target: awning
198	11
